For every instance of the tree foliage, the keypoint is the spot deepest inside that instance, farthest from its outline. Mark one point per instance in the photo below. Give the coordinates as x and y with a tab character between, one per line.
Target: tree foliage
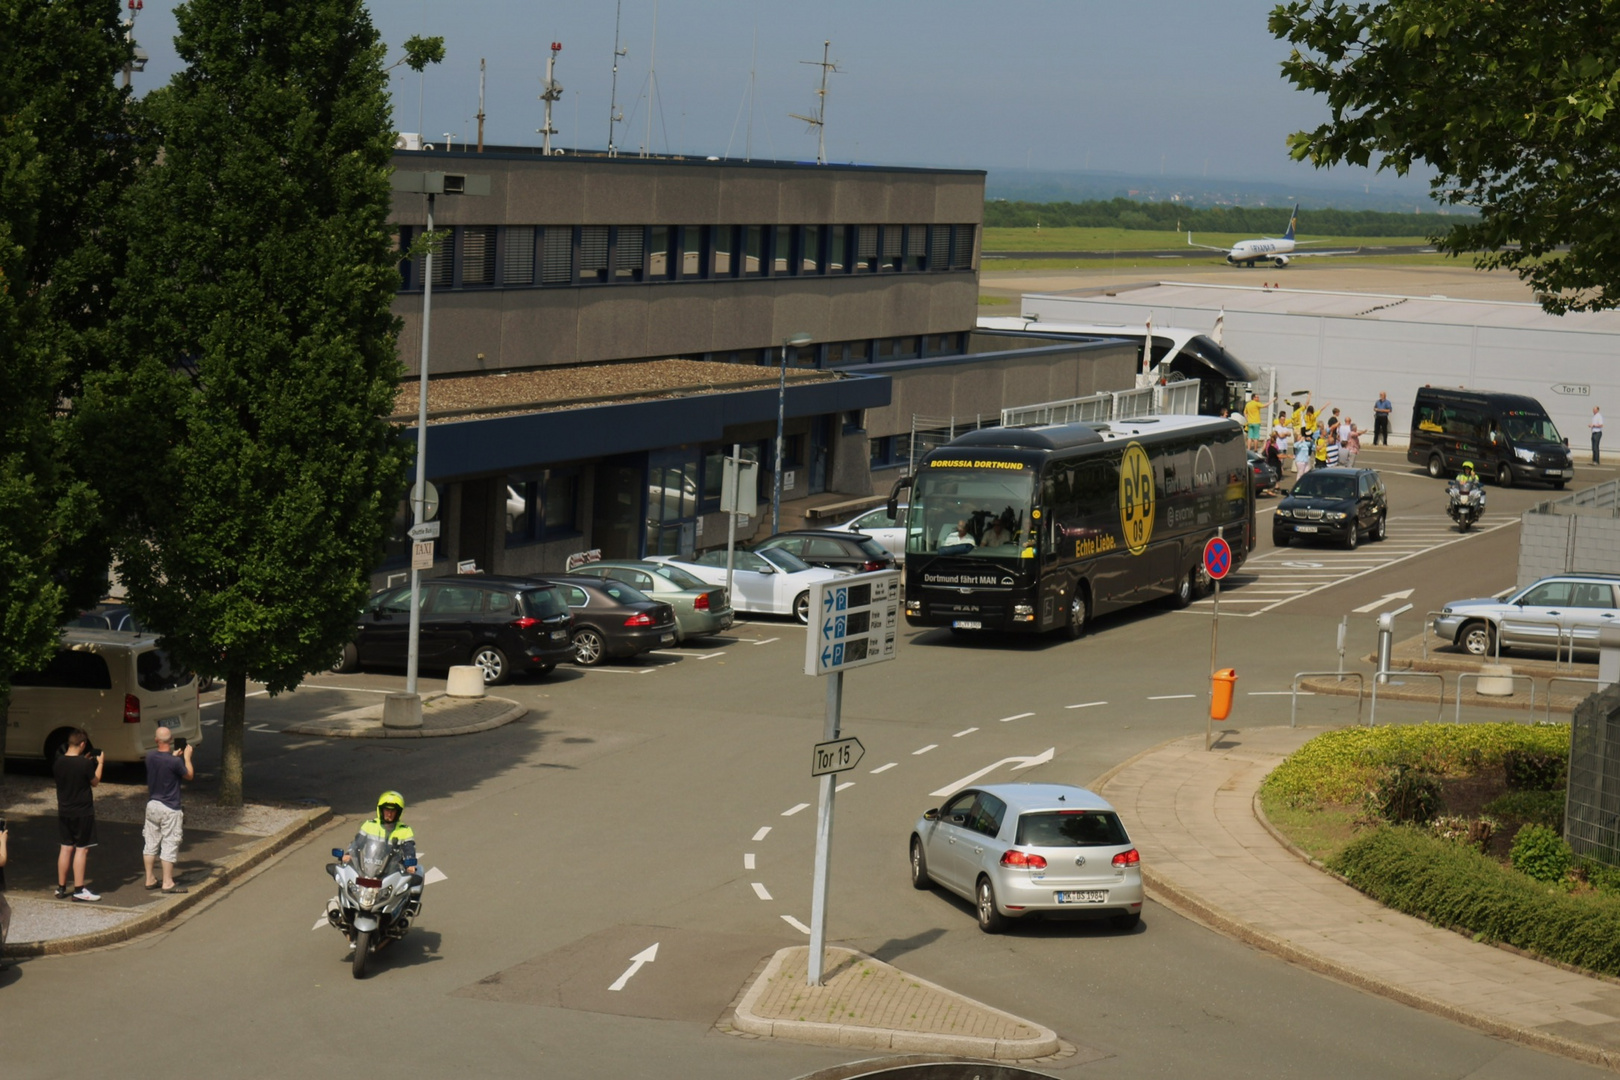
1167	216
1513	106
62	156
261	354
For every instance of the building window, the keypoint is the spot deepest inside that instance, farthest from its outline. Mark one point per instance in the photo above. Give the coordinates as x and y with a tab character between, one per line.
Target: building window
629	257
444	258
854	420
753	250
407	271
593	253
561	514
478	255
810	250
962	247
517	263
890	451
557	267
714	473
838	249
901	348
893	246
541	506
939	247
692	251
660	265
916	247
723	242
782	250
522	506
866	248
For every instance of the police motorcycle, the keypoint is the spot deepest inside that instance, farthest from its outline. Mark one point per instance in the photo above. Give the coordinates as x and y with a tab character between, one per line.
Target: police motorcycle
376	898
1465	504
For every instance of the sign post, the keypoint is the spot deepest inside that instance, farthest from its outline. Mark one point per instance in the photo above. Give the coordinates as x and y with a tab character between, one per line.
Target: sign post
1217	564
854	621
732	500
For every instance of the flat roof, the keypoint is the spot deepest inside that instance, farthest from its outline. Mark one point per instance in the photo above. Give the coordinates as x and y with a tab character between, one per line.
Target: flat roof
564	157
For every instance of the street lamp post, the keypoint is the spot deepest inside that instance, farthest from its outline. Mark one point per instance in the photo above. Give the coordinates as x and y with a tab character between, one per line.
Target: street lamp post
795	341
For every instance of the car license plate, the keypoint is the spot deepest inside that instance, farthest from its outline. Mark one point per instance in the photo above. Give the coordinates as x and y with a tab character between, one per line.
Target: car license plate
968	624
559	635
667	639
1557	472
1305	528
1084	896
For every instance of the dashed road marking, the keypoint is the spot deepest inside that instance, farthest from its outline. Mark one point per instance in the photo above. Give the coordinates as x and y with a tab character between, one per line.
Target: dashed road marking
762	833
845	784
760	891
924	750
884	768
796	924
1085	705
748	861
1172	697
964	731
790	811
767	641
1015	716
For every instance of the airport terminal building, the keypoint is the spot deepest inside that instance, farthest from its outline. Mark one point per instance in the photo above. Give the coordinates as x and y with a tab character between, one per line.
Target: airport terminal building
604	330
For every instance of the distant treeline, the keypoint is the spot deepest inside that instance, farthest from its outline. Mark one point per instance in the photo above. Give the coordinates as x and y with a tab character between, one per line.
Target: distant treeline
1165	216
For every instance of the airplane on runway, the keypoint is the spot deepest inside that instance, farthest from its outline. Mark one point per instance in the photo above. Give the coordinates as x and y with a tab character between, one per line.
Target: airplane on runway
1267	249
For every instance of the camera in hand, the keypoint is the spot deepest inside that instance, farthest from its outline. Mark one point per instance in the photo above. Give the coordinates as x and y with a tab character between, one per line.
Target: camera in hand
179	742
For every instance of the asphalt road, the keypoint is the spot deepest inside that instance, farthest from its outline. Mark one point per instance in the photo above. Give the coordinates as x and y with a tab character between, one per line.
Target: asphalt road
668	801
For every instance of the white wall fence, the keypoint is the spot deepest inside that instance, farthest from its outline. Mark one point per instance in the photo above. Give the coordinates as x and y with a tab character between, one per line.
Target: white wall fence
1578	532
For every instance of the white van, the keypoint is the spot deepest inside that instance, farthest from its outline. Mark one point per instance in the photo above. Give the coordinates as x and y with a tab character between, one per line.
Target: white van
115	684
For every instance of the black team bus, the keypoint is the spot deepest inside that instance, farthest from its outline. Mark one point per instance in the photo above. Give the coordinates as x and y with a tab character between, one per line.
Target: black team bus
1044	528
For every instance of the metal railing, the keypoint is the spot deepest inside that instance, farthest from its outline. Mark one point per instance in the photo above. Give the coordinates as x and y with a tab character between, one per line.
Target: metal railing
1440	712
1428	624
1177	398
1293	696
1477	675
1546	717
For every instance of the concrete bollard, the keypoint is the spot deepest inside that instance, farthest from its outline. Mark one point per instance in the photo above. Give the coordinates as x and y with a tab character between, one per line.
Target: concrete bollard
402	711
465	681
1495	680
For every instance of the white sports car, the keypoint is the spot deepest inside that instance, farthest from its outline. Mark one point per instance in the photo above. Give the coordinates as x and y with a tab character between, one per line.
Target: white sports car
773	582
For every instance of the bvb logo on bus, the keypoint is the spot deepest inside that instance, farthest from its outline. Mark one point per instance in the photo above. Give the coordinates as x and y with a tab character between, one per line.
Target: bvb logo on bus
1136	498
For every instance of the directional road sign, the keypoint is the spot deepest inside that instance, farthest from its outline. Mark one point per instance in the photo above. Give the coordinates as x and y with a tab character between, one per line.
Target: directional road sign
854	621
426	530
838	756
1217	558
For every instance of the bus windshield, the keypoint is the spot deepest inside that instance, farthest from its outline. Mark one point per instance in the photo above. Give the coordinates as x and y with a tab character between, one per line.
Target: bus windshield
1526	427
974	512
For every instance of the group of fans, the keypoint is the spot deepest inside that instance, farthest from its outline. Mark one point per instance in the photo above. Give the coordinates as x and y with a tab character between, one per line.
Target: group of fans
1312	437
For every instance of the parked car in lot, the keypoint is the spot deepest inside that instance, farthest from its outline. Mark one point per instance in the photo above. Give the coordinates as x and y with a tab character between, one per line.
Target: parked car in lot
1563	607
771	582
888	530
701	609
832	548
1017	850
612	619
504	625
1265	477
115	684
107	616
1341	505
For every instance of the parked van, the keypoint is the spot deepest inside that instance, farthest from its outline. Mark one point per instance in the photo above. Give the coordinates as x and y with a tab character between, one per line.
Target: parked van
1508	437
115	684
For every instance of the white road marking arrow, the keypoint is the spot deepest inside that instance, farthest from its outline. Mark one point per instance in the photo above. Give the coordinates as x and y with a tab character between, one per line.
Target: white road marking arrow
1022	763
434	874
1382	600
645	956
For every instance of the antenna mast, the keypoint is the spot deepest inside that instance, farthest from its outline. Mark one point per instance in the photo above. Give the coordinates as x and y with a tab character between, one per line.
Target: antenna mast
551	94
480	104
652	81
615	117
819	121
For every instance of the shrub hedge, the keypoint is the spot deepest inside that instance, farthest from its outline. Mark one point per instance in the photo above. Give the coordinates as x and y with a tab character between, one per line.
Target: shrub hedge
1340	766
1455	886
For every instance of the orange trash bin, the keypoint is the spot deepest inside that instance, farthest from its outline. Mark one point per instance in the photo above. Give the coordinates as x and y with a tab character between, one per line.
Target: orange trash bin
1220	693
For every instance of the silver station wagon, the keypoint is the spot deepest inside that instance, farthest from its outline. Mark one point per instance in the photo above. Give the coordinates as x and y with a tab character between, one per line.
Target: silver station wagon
1565	611
1017	850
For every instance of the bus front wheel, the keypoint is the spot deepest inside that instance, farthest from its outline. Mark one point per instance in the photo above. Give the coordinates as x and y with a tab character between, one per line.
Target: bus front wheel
1079	613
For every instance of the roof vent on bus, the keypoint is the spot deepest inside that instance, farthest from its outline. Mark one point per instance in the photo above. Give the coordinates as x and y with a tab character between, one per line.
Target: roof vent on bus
1051	437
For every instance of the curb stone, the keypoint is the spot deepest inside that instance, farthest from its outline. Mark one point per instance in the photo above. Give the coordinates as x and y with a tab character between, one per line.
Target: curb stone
224	874
331	727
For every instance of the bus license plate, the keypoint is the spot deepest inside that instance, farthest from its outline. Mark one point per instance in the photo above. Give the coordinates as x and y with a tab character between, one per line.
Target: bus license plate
1084	896
968	624
1304	528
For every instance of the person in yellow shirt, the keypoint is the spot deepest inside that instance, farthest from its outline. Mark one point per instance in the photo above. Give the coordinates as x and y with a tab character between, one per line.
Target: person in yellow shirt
1254	420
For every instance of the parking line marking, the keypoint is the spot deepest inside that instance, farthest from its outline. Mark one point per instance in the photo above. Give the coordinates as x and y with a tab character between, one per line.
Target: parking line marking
796	924
845	784
748	861
709	656
924	750
762	834
1085	705
760	891
790	811
1019	716
964	731
261	693
1171	697
884	768
767	641
263	729
1278	693
210	723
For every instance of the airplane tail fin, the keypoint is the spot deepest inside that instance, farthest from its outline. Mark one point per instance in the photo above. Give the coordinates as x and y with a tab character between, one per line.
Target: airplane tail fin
1292	219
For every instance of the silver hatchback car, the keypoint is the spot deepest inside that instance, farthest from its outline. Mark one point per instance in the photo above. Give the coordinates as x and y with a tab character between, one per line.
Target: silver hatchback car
1563	611
1016	850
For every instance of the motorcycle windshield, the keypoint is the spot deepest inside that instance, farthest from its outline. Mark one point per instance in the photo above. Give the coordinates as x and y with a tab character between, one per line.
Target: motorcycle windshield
372	856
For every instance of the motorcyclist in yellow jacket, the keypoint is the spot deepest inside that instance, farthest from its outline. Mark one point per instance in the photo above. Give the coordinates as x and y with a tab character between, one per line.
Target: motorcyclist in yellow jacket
389	825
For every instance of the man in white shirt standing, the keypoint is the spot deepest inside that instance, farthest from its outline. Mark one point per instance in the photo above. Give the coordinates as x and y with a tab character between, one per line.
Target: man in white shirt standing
1597	432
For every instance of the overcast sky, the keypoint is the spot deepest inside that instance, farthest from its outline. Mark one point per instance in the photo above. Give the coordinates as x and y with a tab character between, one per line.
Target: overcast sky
1189	87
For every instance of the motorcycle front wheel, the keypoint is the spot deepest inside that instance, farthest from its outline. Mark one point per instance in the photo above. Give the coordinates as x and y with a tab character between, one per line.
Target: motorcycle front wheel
362	952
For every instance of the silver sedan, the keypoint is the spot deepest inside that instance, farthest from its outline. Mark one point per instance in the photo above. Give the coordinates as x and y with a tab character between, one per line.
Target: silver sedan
1017	850
701	609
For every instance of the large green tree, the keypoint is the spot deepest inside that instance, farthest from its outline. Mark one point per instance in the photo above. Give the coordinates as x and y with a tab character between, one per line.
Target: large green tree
62	159
250	413
1512	104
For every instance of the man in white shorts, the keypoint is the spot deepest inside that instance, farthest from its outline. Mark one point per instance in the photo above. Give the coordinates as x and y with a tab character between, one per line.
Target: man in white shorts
166	767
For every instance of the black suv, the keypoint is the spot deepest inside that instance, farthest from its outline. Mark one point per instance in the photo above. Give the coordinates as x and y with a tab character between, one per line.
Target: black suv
1332	504
834	548
504	625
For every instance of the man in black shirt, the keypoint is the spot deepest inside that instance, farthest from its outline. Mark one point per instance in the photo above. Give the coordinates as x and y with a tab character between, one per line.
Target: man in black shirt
76	771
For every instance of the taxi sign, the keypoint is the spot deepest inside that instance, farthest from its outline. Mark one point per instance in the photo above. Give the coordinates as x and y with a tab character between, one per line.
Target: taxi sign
854	621
1217	558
